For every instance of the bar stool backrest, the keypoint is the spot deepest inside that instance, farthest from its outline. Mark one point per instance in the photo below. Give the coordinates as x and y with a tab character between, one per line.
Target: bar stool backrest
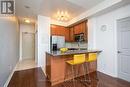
79	58
91	57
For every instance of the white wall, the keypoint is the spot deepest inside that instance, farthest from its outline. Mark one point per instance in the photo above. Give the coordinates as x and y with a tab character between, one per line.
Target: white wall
9	48
91	33
43	39
30	28
107	40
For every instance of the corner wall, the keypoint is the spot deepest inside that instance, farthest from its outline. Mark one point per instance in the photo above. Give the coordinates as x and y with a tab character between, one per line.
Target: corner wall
9	47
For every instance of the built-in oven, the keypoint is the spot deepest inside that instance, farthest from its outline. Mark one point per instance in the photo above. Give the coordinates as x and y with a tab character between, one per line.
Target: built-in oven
79	37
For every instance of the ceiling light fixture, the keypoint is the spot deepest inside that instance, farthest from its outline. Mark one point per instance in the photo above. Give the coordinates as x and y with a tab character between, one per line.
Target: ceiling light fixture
62	16
27	21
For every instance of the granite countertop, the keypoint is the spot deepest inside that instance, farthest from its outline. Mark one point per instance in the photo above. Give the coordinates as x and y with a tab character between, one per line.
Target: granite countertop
72	52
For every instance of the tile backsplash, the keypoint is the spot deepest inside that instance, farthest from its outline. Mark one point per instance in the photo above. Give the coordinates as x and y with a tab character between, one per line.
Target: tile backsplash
76	45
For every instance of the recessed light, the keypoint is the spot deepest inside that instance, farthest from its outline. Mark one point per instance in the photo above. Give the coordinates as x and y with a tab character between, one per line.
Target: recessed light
27	21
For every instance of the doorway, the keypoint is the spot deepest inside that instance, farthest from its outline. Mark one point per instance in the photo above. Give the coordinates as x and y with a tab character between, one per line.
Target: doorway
123	26
28	45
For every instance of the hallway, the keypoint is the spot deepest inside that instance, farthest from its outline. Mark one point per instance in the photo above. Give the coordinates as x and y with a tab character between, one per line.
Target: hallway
25	64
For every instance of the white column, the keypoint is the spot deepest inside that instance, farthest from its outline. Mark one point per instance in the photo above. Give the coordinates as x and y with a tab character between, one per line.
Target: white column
43	39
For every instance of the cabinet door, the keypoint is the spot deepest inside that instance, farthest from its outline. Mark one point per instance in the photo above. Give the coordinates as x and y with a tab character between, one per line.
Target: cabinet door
71	30
82	27
67	35
85	30
77	29
57	30
60	31
52	30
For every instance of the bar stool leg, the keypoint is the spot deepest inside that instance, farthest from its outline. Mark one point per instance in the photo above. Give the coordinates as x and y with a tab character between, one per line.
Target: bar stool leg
89	80
73	76
66	76
84	71
96	74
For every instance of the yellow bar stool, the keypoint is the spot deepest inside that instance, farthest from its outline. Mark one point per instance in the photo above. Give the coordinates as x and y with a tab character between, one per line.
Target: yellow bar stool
77	60
92	57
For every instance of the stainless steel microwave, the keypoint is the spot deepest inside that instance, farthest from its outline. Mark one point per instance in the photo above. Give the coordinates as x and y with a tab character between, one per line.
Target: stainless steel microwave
79	37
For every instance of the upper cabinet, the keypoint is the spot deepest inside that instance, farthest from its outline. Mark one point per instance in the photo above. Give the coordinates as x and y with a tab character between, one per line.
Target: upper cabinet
57	30
70	32
60	31
78	29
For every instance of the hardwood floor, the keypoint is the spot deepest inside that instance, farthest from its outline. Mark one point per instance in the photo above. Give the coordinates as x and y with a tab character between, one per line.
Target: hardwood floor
36	78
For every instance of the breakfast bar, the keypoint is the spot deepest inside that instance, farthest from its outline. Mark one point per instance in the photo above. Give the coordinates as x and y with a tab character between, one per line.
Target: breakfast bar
56	64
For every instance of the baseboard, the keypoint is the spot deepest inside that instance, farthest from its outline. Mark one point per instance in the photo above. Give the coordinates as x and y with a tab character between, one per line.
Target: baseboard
10	76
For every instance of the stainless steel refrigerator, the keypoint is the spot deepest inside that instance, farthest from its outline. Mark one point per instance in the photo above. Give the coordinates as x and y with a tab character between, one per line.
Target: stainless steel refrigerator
57	40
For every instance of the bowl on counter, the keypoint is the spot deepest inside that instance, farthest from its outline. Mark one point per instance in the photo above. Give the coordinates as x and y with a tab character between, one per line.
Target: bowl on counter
63	49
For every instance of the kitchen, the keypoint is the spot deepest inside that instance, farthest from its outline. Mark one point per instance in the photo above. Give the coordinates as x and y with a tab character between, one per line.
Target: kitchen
74	39
71	37
78	43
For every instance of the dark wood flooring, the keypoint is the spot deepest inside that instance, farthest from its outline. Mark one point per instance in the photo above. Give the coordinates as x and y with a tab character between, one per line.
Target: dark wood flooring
36	78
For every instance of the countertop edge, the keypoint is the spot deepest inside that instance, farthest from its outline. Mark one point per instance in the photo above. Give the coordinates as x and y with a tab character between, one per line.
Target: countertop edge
58	53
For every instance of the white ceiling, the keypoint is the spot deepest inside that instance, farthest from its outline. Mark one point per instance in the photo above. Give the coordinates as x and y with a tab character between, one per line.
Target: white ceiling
50	7
87	4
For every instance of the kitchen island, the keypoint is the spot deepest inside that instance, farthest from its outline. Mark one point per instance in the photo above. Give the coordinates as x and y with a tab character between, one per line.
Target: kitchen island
56	64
